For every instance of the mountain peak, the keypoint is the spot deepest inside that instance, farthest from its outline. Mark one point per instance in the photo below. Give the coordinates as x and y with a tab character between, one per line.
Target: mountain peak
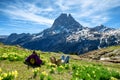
66	21
65	15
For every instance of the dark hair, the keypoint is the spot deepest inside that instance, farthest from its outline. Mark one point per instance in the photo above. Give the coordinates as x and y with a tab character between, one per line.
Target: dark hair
34	52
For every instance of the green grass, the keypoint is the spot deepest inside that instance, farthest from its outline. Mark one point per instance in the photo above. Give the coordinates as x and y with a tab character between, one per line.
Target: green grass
75	70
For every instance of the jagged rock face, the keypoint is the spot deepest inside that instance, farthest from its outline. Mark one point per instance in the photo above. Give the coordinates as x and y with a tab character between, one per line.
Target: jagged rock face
68	36
64	24
66	21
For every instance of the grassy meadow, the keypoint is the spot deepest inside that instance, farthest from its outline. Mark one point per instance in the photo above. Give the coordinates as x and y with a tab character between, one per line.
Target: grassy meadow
12	67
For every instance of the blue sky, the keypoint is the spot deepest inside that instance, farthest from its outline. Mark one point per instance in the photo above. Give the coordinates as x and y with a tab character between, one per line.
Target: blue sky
33	16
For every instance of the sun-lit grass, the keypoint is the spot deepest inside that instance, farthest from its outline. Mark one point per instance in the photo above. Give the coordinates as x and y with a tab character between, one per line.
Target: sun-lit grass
48	71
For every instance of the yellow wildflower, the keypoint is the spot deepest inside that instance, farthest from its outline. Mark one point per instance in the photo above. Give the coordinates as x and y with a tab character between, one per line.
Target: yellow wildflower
53	68
49	64
61	67
46	60
4	74
44	73
15	73
54	65
108	69
36	70
33	70
1	78
12	73
112	78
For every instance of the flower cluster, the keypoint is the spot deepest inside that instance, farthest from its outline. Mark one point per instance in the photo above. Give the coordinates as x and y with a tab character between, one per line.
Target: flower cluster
43	75
60	69
49	65
35	71
91	72
11	56
52	70
13	53
8	76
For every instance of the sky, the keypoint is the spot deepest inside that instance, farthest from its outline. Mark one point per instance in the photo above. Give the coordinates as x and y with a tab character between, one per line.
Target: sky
33	16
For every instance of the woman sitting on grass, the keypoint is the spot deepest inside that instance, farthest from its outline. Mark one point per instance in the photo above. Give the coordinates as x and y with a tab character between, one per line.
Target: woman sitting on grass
33	59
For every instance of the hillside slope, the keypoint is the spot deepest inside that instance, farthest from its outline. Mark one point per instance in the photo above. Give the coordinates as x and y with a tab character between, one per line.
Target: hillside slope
111	54
12	59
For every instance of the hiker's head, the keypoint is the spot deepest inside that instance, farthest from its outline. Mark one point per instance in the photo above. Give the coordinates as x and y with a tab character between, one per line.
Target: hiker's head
34	52
53	59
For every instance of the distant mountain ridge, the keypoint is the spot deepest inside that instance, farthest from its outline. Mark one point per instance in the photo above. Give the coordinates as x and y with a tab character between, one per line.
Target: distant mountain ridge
3	38
101	28
68	36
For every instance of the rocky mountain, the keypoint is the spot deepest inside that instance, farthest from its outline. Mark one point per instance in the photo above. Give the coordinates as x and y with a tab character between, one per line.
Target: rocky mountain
68	36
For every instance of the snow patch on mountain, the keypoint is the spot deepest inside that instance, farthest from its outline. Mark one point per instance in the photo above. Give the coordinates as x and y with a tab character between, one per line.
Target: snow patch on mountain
37	36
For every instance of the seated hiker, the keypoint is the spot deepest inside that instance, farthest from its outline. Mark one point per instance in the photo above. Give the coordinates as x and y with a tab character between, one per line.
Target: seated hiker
33	59
55	61
65	59
62	60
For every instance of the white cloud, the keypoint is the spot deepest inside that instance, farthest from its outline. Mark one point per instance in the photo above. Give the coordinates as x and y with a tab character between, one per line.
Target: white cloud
96	11
29	12
22	15
61	4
